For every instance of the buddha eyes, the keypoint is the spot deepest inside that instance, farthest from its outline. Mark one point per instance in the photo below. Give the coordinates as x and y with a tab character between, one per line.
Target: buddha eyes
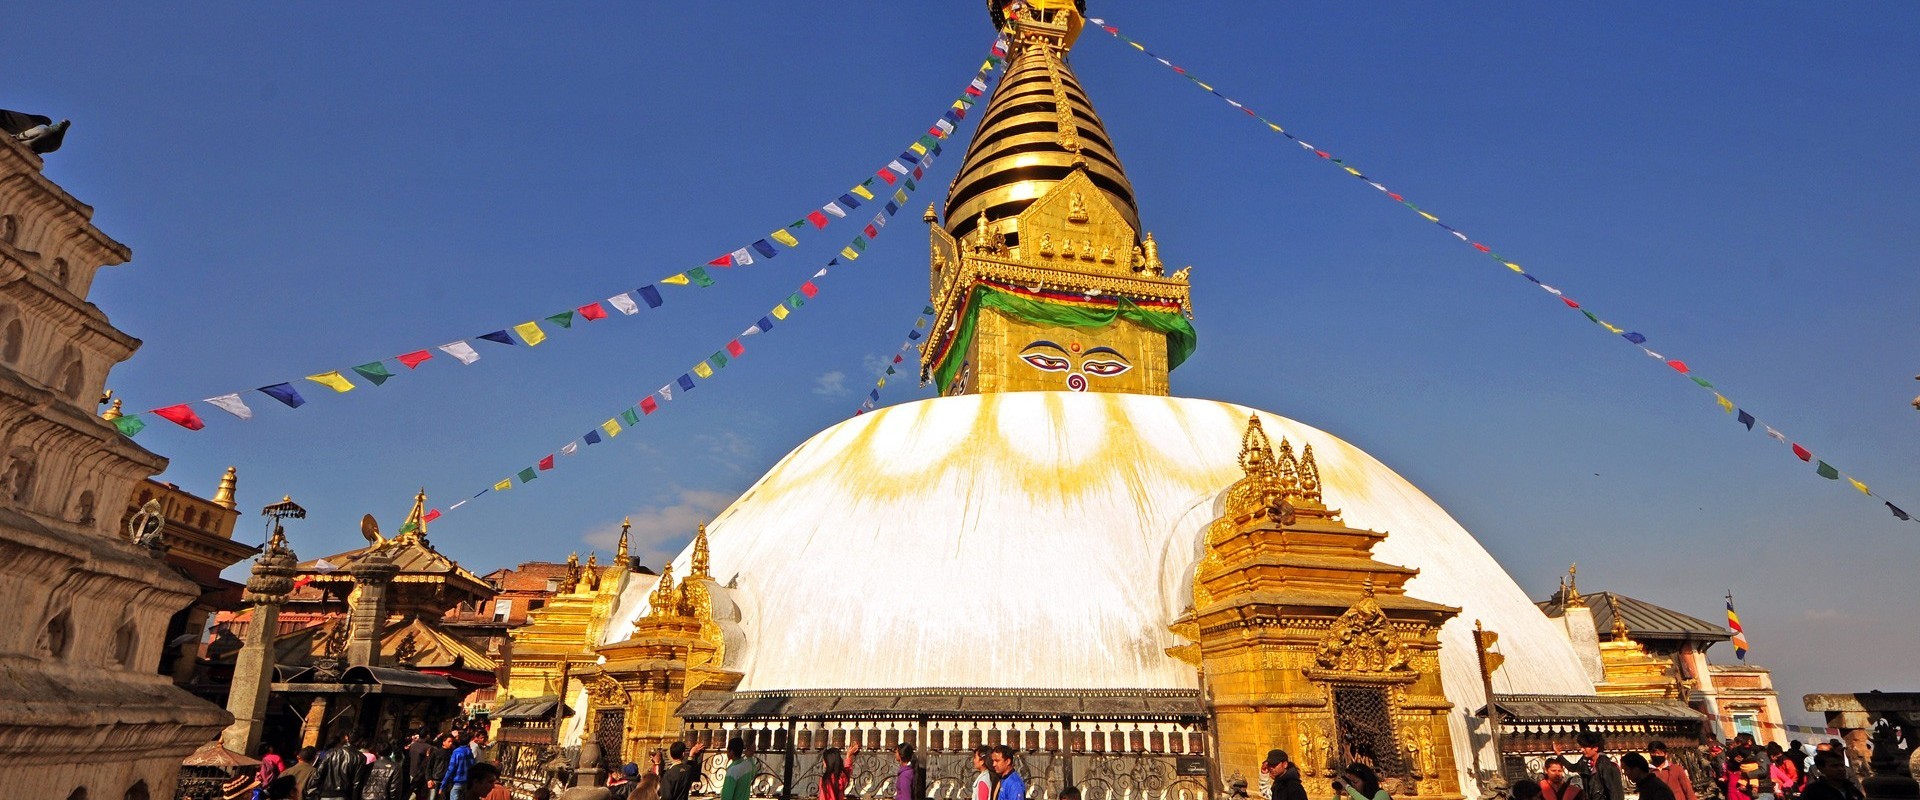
1046	362
1104	369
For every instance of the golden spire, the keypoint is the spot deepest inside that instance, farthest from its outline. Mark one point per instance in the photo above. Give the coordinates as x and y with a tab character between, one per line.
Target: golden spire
1309	477
620	555
1288	472
1256	451
1037	129
223	496
1620	633
113	411
699	567
1571	598
665	599
416	523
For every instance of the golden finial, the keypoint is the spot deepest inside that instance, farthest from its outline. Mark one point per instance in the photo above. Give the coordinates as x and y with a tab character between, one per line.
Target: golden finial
589	577
1256	451
620	555
1619	622
1309	477
416	524
1151	249
1572	597
223	496
699	568
1287	470
664	599
930	217
113	411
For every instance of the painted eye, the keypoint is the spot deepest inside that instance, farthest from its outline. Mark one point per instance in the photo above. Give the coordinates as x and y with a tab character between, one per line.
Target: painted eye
1046	362
1104	369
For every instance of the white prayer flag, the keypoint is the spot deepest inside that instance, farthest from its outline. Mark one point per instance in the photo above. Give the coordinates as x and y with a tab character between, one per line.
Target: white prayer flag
459	504
232	404
944	126
879	221
324	566
835	210
1776	434
667	392
896	166
625	304
821	274
460	350
752	331
570	449
741	257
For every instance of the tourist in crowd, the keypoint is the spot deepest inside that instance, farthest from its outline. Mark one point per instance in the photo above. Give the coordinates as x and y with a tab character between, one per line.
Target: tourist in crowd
1358	782
420	759
270	768
1782	772
836	772
1600	778
292	783
1833	782
1635	767
1556	783
983	776
1797	753
741	769
1280	779
337	774
676	781
484	782
620	781
909	783
1670	771
1524	790
459	768
1743	774
1009	786
386	777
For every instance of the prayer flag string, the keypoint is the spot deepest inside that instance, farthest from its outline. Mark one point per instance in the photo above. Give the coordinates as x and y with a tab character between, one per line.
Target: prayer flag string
909	166
1741	415
912	344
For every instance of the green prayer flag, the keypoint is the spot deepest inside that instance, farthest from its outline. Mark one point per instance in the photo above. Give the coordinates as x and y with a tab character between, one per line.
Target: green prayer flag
1827	471
526	475
563	319
700	277
630	417
910	186
889	370
129	425
408	528
718	360
927	310
795	300
1702	381
376	372
860	243
1590	316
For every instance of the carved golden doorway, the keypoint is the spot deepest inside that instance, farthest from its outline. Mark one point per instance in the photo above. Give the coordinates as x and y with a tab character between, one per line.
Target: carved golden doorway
1363	721
610	732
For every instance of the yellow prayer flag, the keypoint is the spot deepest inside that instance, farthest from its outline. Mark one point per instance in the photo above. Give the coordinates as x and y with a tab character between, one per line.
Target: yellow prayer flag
530	333
1136	46
780	312
862	191
849	254
701	369
1513	266
1276	128
785	238
883	383
1204	86
1858	485
918	148
332	380
1725	404
612	428
1610	328
1430	217
503	485
677	280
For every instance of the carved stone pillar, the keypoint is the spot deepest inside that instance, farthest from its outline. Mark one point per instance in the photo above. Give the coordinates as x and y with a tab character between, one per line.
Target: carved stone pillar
253	667
368	612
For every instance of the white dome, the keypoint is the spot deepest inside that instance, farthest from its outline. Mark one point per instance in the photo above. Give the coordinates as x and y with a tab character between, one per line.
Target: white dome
1044	540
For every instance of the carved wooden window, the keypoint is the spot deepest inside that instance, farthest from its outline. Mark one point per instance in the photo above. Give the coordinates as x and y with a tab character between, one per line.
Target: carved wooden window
610	732
1363	718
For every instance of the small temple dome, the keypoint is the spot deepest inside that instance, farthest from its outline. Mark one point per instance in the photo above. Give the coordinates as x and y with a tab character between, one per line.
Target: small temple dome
1046	540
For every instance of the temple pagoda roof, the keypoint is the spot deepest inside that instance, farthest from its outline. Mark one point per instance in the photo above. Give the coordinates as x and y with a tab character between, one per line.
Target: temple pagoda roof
413	556
1645	621
416	644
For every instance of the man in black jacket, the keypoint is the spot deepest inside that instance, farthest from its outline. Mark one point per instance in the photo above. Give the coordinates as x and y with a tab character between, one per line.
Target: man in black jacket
420	757
337	776
1280	779
386	776
676	781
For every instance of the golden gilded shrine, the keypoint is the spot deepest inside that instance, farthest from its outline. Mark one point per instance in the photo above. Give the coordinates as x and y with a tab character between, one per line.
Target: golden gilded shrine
1138	592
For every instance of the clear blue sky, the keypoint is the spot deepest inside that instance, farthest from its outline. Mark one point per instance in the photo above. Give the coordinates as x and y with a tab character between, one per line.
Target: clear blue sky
312	187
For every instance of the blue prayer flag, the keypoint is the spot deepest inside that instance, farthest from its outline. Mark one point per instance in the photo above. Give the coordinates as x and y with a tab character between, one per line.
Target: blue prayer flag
874	395
765	248
593	436
285	393
497	336
1634	337
913	334
909	157
1746	419
849	201
764	324
651	294
686	382
892	208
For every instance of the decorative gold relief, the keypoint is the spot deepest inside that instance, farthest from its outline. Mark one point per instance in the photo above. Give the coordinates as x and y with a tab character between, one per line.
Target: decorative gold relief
606	691
1362	640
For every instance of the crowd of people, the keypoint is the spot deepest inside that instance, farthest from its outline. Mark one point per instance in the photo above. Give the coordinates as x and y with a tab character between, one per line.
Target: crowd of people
446	766
1741	770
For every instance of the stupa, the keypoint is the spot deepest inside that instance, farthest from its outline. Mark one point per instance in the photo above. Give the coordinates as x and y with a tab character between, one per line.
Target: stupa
1141	593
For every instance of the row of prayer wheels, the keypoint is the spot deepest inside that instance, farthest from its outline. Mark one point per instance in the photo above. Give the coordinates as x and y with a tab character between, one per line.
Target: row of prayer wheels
939	739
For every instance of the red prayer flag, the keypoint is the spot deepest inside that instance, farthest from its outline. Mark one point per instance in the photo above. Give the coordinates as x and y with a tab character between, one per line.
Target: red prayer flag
431	516
807	289
181	415
593	311
723	261
872	233
302	581
1396	198
886	175
1802	453
1569	301
1678	366
1482	248
413	359
648	404
735	348
818	219
547	463
896	359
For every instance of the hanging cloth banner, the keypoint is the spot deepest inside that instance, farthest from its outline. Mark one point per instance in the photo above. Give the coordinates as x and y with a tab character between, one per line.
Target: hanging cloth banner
895	366
531	333
1638	340
706	370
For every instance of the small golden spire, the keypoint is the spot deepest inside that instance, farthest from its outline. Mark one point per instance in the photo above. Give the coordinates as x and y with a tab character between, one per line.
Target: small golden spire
1309	477
113	411
699	568
1571	599
415	525
1288	470
223	496
620	555
1151	250
1620	632
930	217
665	599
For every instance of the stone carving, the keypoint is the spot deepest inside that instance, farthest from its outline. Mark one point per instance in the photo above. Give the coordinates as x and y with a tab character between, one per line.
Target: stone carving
1046	244
1362	640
